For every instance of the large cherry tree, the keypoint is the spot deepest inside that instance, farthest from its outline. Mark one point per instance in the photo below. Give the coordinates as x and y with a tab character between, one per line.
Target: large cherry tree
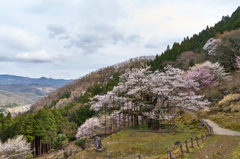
167	88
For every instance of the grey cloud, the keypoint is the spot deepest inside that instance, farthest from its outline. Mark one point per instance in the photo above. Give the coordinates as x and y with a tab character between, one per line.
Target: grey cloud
134	38
4	57
154	42
15	38
21	57
91	37
117	37
55	30
89	43
33	57
33	60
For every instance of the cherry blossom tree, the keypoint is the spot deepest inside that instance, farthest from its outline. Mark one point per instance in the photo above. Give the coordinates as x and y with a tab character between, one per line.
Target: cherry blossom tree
202	76
238	62
111	100
172	89
90	126
133	82
168	88
15	148
206	74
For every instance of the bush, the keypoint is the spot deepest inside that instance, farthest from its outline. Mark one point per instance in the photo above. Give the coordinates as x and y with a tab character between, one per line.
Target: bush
59	140
214	95
30	156
81	142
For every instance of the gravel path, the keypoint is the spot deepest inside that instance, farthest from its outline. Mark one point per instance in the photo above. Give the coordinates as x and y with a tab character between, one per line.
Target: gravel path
217	129
221	131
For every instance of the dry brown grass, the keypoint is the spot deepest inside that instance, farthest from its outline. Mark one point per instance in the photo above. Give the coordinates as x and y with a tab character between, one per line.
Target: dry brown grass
228	99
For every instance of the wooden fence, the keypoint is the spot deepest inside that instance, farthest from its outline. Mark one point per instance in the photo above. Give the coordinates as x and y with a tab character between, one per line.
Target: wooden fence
191	142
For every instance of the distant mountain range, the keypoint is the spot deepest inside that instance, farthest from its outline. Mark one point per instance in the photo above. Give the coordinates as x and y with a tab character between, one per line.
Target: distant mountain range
19	91
11	79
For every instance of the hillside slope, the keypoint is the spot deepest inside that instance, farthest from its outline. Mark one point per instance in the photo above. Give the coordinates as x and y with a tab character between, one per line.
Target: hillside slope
76	87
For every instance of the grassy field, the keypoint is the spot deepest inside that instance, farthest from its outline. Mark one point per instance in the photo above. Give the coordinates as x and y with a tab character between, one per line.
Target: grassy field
129	144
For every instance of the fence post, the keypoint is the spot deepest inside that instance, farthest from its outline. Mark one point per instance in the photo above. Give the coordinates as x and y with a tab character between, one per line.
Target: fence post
191	141
181	150
94	155
139	156
170	153
109	156
186	145
197	141
202	139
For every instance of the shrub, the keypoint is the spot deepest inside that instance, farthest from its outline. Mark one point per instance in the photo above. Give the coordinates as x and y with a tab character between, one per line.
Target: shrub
59	140
81	142
30	156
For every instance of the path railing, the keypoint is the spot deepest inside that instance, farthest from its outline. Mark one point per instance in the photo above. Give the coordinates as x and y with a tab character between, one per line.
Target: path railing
191	141
187	144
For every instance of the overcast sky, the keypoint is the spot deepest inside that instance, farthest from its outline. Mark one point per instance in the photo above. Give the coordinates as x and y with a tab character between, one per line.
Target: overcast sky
70	38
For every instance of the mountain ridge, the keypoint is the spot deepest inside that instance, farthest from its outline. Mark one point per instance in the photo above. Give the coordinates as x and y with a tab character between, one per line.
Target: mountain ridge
13	79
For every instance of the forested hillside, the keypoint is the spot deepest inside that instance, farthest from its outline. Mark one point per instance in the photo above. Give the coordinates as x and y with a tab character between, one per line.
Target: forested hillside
75	88
197	41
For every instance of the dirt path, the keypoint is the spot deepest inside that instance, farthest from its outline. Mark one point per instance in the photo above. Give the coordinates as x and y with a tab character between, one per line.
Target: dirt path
217	129
221	131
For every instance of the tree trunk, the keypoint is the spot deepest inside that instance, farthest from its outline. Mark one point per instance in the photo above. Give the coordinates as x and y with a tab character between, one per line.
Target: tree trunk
34	148
149	123
40	147
135	120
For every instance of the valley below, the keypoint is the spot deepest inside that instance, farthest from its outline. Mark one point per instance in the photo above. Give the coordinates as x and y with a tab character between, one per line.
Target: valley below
18	93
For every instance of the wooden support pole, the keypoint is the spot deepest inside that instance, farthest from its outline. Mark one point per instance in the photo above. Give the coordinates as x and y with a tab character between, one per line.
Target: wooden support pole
181	150
197	141
170	153
109	156
202	139
186	146
191	141
139	156
205	135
